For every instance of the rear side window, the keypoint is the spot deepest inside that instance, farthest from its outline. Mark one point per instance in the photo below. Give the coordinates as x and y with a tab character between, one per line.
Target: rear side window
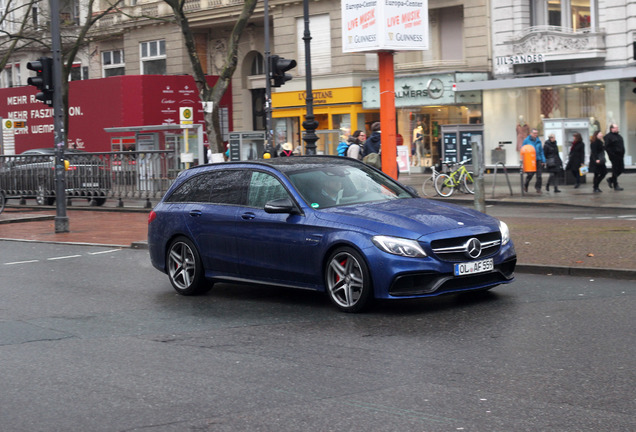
217	187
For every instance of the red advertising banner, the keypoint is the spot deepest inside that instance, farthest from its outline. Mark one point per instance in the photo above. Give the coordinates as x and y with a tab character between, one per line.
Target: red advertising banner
129	100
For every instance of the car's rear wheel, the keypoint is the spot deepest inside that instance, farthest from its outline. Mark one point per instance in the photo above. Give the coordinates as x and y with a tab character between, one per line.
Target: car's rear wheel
348	280
185	269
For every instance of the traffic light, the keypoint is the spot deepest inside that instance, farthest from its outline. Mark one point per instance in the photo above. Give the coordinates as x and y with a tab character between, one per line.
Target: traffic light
43	81
277	68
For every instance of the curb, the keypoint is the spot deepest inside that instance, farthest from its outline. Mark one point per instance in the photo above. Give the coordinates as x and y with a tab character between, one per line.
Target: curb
538	269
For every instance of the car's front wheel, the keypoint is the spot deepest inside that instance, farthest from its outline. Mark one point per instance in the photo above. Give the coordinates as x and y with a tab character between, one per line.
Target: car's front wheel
348	280
185	269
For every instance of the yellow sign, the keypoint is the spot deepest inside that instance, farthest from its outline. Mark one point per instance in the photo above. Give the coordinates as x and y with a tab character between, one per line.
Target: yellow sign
332	96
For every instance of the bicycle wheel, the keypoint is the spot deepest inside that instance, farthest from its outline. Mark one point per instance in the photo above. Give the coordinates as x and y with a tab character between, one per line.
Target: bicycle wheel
469	182
428	187
444	185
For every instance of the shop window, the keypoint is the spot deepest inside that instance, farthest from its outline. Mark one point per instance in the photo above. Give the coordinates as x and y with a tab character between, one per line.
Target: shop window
320	29
113	63
153	57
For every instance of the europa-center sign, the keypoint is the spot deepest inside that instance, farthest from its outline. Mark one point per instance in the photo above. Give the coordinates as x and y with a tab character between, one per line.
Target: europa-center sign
374	25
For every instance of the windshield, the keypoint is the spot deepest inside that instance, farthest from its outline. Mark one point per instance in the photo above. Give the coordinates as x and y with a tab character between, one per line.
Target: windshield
325	186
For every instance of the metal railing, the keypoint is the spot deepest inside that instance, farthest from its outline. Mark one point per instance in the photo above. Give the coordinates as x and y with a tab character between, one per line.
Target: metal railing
97	176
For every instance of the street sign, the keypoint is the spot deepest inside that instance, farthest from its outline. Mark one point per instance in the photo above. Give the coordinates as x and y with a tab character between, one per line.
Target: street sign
186	115
15	124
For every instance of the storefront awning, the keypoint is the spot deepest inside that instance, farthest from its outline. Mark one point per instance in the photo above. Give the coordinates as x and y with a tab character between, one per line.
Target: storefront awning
550	80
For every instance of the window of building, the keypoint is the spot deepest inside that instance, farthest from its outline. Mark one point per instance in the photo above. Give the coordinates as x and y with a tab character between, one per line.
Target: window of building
570	14
78	72
10	76
113	63
320	29
153	57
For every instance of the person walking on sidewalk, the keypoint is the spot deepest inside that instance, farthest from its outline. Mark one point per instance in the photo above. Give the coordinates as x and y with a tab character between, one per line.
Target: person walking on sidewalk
597	160
534	141
553	162
615	148
576	158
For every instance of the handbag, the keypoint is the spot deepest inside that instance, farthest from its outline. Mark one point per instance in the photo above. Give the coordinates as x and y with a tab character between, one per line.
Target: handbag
551	162
373	159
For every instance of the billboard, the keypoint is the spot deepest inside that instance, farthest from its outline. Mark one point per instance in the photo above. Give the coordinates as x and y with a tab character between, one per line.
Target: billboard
120	101
395	25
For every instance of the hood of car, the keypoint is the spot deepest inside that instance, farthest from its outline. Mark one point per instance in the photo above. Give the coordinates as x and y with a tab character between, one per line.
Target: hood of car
410	218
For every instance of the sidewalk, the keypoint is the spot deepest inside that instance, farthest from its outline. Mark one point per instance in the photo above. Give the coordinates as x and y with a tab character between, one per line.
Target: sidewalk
545	246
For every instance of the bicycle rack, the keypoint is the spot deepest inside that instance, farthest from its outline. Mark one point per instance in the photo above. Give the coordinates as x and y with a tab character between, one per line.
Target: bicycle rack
494	180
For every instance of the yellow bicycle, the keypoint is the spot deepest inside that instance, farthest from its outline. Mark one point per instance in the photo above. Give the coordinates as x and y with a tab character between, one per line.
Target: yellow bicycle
459	178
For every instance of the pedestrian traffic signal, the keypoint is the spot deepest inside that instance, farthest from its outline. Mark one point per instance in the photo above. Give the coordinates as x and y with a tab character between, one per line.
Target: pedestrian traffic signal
43	81
277	68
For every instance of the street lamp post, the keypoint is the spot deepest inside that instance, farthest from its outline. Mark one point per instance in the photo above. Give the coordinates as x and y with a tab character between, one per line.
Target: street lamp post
310	124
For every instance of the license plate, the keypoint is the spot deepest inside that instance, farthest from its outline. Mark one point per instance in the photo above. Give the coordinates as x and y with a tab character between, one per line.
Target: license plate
90	184
474	267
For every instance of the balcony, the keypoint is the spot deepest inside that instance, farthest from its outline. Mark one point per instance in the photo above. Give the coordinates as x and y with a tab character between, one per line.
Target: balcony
559	43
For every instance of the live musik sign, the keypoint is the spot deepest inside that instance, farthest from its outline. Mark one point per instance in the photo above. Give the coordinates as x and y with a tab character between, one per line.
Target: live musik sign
375	25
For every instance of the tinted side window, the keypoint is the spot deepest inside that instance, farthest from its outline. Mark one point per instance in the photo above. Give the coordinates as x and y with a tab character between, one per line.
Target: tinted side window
219	187
229	187
264	187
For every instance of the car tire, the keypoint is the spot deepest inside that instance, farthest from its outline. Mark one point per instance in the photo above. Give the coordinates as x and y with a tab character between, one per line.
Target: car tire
348	281
185	270
3	201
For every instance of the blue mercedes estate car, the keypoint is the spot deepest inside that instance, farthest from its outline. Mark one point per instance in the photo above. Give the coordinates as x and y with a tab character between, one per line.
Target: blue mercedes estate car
323	223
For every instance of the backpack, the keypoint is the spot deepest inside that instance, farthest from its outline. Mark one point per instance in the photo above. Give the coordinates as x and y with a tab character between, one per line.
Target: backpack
342	148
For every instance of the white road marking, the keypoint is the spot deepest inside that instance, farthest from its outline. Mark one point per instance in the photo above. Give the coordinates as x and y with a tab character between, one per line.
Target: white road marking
104	252
21	262
63	257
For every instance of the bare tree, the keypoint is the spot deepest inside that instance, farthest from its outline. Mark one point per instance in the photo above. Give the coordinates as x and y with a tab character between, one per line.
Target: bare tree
214	94
10	42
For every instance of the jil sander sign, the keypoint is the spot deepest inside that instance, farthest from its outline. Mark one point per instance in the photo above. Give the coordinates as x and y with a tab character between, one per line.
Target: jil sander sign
519	59
372	25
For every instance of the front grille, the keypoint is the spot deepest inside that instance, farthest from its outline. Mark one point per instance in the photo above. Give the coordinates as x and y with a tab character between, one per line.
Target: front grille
456	249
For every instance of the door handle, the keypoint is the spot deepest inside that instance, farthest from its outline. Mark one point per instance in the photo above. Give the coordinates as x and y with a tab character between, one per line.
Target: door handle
195	213
248	216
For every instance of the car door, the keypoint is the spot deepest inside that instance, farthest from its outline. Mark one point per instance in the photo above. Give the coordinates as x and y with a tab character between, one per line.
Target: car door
211	217
272	247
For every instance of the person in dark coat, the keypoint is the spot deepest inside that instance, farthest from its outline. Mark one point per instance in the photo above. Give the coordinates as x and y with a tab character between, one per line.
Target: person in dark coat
576	158
615	148
597	160
553	162
373	143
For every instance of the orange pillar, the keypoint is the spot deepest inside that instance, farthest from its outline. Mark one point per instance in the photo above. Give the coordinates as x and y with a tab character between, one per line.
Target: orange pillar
387	113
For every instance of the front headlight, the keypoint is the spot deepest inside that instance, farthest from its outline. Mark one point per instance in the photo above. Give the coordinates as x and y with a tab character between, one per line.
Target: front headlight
399	246
505	233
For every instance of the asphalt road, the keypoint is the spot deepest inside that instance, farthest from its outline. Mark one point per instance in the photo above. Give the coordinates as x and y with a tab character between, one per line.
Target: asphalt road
94	339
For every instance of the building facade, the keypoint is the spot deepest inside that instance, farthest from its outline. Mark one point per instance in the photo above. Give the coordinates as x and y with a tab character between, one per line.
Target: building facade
561	66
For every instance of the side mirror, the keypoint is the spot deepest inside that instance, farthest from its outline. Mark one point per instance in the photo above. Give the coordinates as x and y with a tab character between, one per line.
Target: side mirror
282	205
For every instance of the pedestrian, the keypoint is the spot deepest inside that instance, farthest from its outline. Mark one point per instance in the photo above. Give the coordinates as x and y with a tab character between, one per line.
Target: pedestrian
355	145
533	140
373	143
576	158
343	145
615	148
287	150
553	163
597	159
